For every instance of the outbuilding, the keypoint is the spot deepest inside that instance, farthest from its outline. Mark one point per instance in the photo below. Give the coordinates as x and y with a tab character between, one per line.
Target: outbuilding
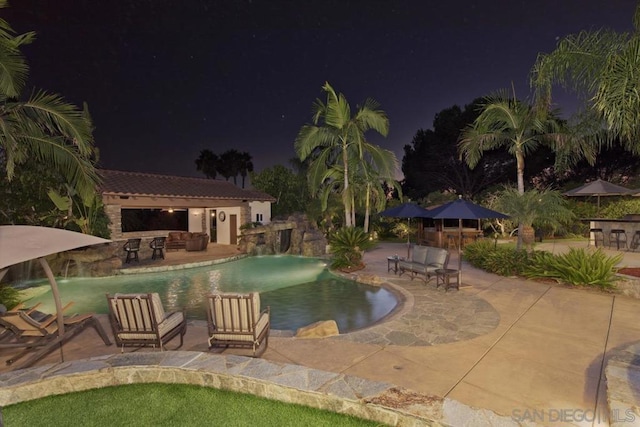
142	205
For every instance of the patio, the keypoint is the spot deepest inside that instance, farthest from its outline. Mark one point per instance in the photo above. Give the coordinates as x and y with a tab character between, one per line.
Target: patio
504	344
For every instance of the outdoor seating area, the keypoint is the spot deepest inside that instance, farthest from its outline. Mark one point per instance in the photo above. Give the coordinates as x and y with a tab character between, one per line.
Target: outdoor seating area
431	365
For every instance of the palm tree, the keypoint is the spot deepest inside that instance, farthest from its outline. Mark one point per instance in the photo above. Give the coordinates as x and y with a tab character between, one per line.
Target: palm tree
601	67
377	169
506	122
207	163
229	165
246	165
335	135
539	207
42	128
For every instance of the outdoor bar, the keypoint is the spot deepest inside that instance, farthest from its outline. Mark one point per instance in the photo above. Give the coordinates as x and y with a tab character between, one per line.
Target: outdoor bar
621	233
444	233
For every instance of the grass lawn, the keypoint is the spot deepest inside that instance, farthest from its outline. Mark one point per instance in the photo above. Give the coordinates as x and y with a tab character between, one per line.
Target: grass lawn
167	405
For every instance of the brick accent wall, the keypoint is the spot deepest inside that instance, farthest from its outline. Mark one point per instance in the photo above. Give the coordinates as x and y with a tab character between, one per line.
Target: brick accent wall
115	217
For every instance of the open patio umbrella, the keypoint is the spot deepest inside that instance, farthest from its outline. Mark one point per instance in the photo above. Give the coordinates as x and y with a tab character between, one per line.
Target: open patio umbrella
462	209
20	243
600	188
406	210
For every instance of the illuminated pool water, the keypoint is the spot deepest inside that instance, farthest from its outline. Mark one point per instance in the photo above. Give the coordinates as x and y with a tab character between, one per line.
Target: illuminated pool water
299	290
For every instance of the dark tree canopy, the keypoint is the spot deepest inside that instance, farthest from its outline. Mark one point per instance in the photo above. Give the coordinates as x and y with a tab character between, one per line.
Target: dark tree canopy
207	163
229	164
613	163
288	187
432	163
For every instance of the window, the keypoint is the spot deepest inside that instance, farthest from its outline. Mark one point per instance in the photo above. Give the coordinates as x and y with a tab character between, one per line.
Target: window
259	217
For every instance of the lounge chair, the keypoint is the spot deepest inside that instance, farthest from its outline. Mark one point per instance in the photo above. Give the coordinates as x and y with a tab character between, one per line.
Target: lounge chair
39	338
235	320
139	320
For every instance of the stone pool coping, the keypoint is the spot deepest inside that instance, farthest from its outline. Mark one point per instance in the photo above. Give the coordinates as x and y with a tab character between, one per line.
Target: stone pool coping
378	401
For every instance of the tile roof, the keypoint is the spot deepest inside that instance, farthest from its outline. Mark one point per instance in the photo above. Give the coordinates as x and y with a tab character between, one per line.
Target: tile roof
146	184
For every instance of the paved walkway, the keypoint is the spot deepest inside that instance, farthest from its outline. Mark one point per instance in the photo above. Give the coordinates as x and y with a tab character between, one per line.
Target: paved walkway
519	348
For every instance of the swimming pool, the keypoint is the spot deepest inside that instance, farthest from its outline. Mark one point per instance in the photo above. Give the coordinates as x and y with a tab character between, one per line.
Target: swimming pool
299	290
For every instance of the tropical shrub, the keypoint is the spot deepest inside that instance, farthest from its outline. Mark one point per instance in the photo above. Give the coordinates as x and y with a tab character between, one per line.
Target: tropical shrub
577	267
620	208
503	259
9	296
347	246
539	208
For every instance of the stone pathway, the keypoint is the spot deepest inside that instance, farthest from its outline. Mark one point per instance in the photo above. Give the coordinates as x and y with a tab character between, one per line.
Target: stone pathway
430	317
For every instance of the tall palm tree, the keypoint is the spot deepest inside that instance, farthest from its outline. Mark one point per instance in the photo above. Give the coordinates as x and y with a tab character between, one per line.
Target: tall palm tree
246	165
506	122
42	128
334	135
378	167
602	67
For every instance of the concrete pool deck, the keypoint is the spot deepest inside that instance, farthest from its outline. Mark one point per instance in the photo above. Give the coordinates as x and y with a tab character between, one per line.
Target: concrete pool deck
518	348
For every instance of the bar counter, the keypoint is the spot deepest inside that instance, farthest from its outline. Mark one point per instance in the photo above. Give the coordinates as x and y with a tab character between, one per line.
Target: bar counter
630	224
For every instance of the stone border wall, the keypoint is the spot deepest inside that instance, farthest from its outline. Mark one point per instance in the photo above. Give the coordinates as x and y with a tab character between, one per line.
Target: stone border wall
372	400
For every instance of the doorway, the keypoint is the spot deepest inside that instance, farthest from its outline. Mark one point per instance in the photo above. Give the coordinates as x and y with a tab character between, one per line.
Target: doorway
233	232
213	226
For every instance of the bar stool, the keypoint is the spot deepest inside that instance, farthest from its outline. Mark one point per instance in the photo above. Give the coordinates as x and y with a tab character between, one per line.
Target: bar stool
452	241
619	237
131	248
598	235
635	241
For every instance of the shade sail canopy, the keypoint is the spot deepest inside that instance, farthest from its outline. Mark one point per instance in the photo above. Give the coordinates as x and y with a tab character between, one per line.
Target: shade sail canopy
406	210
600	188
463	209
20	243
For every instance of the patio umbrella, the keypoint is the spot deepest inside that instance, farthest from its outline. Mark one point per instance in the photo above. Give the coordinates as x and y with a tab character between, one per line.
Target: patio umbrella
20	243
462	209
600	188
406	210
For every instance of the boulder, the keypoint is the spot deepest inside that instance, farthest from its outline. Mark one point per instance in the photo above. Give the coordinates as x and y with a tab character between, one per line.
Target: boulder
321	329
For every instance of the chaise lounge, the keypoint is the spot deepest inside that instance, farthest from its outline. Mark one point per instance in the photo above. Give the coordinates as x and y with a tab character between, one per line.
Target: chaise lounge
38	335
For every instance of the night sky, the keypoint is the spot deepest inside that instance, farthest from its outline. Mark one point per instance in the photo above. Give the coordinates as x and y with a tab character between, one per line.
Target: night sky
167	79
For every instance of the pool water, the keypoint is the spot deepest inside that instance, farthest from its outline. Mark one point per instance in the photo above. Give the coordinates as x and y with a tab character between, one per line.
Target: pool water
299	290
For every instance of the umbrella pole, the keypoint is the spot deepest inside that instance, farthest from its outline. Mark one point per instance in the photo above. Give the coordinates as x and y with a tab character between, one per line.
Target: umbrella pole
459	251
409	238
56	299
